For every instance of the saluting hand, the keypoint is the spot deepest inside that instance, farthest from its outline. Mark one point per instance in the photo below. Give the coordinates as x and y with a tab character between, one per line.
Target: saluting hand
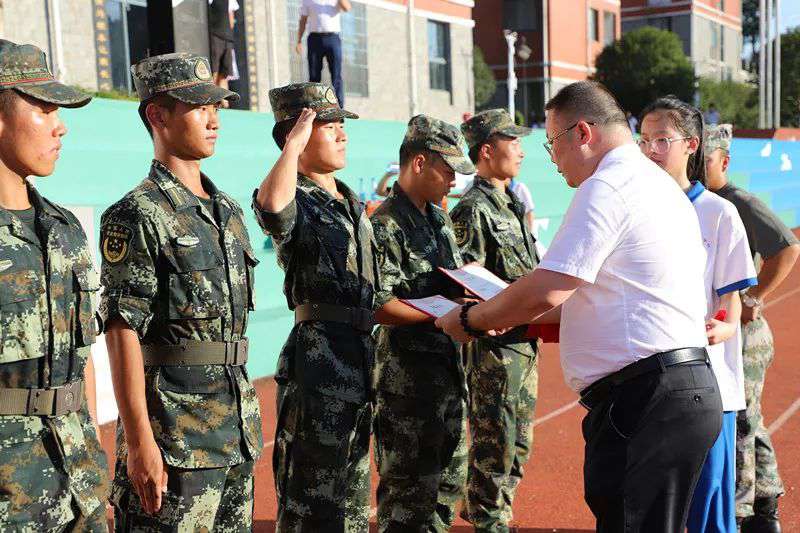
297	139
147	474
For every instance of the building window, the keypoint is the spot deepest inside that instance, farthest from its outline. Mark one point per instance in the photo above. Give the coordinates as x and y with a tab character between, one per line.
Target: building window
355	65
128	39
662	23
715	41
609	27
439	55
721	43
519	15
594	25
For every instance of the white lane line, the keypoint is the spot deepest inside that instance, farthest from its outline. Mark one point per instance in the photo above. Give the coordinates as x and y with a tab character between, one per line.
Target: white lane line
782	297
785	416
557	412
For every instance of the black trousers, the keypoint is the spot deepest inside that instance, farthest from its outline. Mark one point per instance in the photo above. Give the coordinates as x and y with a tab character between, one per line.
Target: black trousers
645	447
326	46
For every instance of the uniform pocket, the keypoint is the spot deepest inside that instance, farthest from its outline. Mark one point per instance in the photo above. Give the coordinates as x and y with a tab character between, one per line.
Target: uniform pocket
21	322
196	283
87	287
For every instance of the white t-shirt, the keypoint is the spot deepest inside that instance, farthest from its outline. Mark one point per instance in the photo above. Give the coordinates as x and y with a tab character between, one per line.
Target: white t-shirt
631	233
729	267
323	16
524	194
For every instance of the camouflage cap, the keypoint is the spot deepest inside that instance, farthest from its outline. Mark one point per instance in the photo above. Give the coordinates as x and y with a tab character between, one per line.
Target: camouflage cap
486	123
23	67
438	136
185	77
287	102
718	137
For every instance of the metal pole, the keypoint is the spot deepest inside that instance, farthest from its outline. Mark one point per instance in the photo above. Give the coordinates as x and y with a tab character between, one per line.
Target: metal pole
762	122
511	39
768	70
777	101
412	60
546	50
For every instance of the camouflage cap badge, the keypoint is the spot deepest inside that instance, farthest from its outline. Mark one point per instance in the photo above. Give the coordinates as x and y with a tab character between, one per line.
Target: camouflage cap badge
185	77
287	102
23	67
487	123
438	136
718	137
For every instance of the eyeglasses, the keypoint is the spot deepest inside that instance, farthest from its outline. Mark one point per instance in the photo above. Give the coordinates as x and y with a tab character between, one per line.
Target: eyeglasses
548	145
659	146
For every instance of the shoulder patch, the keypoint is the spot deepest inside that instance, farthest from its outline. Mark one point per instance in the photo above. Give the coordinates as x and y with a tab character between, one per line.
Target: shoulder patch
460	229
116	240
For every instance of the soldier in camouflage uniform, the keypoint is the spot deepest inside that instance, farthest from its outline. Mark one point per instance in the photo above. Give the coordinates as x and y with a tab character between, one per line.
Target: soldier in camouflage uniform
53	473
324	243
775	250
502	372
178	276
420	423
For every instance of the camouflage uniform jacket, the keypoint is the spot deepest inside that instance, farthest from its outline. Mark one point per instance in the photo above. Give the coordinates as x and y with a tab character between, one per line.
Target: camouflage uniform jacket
490	229
326	247
174	271
47	325
411	247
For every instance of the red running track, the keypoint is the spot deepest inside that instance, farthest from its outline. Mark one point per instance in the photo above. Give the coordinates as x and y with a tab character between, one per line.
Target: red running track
550	497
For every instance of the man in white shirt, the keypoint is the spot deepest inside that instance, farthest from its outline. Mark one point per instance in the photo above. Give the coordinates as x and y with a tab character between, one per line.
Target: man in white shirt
324	40
627	264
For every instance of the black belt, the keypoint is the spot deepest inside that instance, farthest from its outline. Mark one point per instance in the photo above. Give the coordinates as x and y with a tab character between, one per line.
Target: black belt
324	33
358	317
599	391
56	401
194	353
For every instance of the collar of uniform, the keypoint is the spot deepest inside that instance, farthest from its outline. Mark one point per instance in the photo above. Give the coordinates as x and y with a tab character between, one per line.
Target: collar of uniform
313	188
695	190
43	205
411	211
486	187
179	196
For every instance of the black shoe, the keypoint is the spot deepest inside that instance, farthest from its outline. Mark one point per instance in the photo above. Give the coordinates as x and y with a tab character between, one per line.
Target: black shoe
765	519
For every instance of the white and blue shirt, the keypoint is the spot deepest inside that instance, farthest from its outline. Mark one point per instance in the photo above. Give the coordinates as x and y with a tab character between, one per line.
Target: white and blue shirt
729	267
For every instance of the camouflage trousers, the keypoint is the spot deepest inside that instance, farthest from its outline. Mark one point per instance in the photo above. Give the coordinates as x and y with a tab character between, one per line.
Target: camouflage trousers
503	385
197	500
321	462
37	494
420	443
756	467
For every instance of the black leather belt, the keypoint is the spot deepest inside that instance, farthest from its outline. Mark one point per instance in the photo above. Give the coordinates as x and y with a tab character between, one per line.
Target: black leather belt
56	401
195	353
358	317
599	391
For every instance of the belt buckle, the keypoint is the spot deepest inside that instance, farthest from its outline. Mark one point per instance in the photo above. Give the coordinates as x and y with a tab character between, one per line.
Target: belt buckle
36	397
66	398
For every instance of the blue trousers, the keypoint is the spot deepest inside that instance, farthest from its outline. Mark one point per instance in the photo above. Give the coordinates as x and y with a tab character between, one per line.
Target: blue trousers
326	46
713	508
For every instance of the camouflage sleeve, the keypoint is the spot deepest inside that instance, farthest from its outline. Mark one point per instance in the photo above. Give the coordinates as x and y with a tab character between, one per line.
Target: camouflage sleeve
128	272
469	230
389	252
280	224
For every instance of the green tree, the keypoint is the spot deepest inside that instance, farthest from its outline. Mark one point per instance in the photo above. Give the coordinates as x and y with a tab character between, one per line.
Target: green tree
485	84
790	78
750	32
645	64
737	103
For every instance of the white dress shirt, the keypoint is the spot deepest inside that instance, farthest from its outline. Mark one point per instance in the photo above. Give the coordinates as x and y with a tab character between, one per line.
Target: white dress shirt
323	16
632	235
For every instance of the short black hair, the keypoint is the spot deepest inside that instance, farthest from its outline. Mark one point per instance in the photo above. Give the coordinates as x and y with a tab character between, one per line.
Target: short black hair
475	152
409	152
162	100
281	130
590	101
7	98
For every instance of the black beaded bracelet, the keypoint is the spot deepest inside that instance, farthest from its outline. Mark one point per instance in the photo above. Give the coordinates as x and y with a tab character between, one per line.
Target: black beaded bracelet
465	322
